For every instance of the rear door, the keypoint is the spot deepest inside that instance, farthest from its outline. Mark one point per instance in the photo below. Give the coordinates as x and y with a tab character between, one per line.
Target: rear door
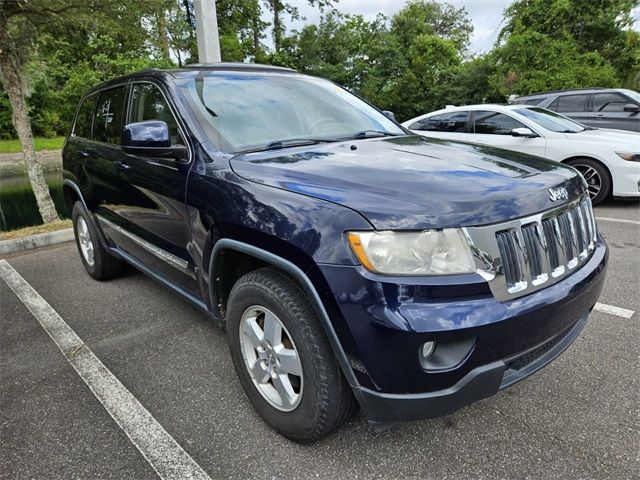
573	106
607	111
494	129
151	212
450	125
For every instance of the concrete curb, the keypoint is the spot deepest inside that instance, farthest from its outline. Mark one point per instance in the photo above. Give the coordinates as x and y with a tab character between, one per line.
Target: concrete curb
35	241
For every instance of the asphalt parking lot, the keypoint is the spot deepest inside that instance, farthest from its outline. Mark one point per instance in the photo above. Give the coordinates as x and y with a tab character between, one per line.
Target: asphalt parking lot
578	418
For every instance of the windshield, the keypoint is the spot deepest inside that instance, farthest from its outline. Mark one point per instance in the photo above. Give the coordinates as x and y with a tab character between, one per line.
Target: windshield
550	120
249	111
634	95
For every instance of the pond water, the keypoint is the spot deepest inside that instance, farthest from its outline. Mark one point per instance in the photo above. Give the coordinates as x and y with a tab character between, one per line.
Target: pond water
18	206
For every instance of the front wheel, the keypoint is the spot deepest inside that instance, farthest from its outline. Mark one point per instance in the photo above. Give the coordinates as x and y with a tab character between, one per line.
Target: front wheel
596	176
283	359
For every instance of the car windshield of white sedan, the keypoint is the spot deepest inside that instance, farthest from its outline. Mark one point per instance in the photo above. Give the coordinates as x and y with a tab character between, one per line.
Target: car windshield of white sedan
252	111
551	120
633	95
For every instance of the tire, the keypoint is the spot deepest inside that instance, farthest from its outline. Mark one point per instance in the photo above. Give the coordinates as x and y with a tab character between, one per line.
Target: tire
320	400
98	262
597	177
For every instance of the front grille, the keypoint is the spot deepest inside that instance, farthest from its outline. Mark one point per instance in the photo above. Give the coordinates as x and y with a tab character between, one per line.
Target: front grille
545	249
527	254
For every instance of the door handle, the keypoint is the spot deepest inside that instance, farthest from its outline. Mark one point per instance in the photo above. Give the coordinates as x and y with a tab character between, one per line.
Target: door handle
120	165
84	154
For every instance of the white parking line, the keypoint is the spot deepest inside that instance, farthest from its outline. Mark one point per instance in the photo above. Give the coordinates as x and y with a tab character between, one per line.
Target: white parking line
618	220
160	449
610	309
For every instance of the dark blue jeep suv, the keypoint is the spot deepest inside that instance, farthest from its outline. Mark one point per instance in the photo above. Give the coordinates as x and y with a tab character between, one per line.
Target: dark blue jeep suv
351	262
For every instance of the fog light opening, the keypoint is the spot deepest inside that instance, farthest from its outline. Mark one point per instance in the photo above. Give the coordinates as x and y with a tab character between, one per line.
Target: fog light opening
427	350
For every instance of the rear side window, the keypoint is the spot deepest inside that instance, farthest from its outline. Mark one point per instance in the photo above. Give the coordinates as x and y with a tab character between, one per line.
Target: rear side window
569	103
494	123
448	122
530	101
109	118
609	102
84	119
148	103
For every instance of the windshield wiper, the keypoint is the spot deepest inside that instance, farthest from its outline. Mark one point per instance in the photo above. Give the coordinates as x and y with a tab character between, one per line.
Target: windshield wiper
373	134
291	142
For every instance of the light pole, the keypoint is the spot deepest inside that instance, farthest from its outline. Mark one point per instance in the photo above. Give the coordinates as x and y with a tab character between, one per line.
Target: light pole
207	31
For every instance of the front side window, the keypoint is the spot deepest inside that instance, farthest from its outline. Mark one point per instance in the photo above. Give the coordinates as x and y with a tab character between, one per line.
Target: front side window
148	103
609	102
448	122
569	103
494	123
420	124
109	118
84	120
244	111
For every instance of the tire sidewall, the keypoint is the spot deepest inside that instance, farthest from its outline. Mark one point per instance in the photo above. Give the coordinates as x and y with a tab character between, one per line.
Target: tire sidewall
79	211
306	412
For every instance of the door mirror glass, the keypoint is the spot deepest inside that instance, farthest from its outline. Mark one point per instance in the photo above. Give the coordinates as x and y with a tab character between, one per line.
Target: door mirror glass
523	132
631	107
150	138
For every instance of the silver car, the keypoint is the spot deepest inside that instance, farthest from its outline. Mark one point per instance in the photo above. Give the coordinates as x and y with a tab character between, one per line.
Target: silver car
596	107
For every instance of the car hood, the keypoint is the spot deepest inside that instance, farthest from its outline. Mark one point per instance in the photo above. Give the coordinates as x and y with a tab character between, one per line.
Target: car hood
612	138
413	182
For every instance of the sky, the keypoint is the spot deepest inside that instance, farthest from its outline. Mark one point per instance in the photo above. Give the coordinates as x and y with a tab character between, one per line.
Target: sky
486	16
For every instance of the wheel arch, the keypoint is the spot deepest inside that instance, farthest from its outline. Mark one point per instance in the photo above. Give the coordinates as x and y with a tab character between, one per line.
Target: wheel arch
250	257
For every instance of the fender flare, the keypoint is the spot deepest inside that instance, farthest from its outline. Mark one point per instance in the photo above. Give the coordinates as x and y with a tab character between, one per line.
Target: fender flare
306	285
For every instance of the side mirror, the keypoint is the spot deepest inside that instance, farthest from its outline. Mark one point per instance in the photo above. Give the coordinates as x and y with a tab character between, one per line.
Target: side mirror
631	107
523	132
150	138
389	114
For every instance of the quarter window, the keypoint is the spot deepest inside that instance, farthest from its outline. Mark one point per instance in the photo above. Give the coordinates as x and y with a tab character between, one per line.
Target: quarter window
109	116
569	103
447	122
148	103
494	123
609	102
84	120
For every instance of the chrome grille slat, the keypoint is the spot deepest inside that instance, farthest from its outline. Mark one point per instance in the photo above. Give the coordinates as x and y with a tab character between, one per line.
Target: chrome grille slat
524	255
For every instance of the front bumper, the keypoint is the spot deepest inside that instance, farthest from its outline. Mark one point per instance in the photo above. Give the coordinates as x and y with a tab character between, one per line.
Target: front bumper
626	179
481	382
387	322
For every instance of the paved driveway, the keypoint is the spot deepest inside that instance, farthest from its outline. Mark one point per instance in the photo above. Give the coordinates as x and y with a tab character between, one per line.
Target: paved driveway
577	418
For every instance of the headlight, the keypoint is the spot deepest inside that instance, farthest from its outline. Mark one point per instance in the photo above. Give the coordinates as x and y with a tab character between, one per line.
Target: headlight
430	252
632	157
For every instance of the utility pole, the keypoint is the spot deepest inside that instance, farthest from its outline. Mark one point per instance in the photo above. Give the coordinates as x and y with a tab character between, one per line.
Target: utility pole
207	31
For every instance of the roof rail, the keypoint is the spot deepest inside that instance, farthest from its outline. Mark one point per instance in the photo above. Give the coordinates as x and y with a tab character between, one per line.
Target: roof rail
237	66
566	90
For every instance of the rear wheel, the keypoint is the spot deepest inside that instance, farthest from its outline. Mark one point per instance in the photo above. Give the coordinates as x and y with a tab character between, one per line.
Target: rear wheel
283	358
596	176
98	262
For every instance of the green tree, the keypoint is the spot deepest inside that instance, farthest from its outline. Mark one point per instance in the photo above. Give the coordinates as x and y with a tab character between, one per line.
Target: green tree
592	40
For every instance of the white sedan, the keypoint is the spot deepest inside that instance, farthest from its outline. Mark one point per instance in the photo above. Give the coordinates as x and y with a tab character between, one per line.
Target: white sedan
609	160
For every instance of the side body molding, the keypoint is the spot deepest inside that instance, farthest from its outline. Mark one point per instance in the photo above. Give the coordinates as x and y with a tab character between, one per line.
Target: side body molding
309	290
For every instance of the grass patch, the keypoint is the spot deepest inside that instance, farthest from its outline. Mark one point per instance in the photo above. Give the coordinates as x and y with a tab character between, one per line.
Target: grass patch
13	146
26	231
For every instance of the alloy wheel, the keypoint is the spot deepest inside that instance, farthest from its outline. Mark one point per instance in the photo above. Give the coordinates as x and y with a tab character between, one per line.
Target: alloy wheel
86	244
271	358
592	177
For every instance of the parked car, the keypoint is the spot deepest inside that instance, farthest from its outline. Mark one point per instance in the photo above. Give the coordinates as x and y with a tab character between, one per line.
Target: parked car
350	261
609	160
616	108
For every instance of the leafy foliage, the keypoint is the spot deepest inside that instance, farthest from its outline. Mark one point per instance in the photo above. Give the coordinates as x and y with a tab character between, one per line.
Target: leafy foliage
413	62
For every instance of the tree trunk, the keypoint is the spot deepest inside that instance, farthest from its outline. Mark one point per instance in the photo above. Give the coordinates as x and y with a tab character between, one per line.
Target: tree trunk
161	22
11	76
277	26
